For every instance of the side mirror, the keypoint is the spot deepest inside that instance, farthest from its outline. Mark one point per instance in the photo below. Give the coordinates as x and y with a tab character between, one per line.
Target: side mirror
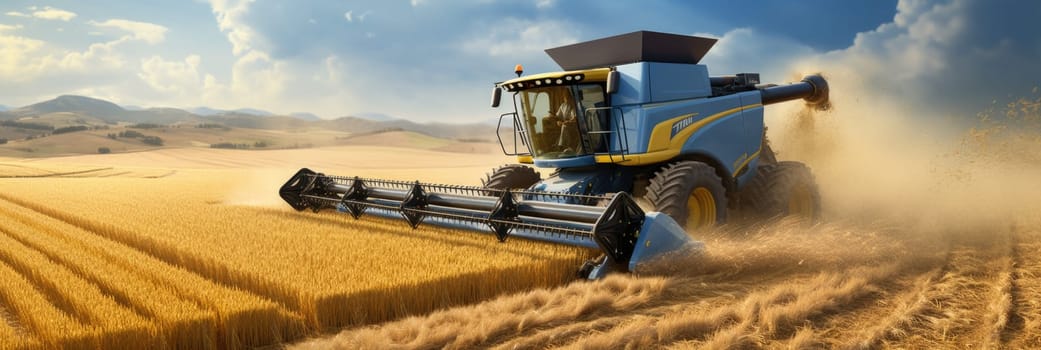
496	96
612	82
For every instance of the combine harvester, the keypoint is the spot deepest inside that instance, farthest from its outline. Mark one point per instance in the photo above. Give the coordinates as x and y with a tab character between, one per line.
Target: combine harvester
634	122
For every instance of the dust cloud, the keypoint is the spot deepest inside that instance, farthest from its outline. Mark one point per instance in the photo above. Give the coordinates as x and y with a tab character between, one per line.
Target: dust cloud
877	161
257	187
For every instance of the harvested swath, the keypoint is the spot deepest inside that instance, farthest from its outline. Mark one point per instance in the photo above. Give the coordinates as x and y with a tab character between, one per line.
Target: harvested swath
771	313
1028	306
1000	308
244	319
558	336
80	298
484	324
958	301
908	312
804	339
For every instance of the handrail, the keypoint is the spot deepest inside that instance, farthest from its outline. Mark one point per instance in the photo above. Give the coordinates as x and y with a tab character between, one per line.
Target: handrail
619	125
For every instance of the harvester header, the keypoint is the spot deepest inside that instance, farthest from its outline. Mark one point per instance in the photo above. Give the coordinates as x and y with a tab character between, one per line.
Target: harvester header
620	228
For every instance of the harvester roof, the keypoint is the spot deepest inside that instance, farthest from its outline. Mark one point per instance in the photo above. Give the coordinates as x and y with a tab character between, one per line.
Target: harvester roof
632	47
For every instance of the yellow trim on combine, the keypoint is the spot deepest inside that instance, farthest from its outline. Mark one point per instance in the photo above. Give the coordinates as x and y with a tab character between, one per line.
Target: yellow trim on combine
747	160
525	159
662	145
594	75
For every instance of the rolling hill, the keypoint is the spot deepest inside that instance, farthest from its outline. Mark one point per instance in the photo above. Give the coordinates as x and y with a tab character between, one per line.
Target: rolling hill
69	125
94	112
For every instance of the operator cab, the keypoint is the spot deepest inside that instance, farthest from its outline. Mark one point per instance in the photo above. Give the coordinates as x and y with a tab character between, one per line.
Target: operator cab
560	115
551	120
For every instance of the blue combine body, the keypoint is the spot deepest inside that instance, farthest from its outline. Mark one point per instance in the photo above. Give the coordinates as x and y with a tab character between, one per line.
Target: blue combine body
726	131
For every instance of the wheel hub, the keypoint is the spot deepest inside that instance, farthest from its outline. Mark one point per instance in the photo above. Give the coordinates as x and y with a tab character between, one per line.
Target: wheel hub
701	206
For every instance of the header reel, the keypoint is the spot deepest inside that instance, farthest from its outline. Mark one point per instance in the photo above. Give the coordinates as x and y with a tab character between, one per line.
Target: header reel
621	229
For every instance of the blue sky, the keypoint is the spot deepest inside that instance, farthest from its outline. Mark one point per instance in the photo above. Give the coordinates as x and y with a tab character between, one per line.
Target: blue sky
432	60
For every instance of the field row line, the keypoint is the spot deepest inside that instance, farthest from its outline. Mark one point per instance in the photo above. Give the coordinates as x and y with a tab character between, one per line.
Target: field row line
955	302
1024	329
191	310
90	309
206	267
80	172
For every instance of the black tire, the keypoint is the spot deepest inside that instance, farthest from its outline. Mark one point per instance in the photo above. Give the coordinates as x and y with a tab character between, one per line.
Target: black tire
511	176
673	186
771	193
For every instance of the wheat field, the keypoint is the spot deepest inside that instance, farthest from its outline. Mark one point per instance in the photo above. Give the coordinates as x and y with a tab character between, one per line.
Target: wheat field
192	249
192	261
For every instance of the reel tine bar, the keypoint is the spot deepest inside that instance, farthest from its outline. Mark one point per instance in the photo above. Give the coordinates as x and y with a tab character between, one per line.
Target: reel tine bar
504	215
413	205
555	217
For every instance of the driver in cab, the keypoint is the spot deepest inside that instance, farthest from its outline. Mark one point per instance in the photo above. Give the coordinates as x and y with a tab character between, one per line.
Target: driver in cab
565	136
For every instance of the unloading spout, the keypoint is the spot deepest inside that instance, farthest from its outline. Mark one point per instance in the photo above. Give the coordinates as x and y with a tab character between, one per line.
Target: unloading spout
813	88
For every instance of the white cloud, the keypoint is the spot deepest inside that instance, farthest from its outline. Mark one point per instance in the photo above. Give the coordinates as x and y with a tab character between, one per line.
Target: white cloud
98	57
544	3
417	2
14	53
25	59
934	59
51	13
147	32
536	36
744	50
230	18
350	16
5	27
172	77
17	14
53	68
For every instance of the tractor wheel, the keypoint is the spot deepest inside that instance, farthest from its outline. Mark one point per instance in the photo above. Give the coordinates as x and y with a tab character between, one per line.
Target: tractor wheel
511	176
690	192
781	190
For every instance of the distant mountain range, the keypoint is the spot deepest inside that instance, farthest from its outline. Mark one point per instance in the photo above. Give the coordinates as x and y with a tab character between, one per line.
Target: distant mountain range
305	116
90	111
207	111
380	117
3	108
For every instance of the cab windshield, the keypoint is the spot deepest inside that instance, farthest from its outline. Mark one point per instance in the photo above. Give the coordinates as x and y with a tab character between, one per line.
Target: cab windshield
551	117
